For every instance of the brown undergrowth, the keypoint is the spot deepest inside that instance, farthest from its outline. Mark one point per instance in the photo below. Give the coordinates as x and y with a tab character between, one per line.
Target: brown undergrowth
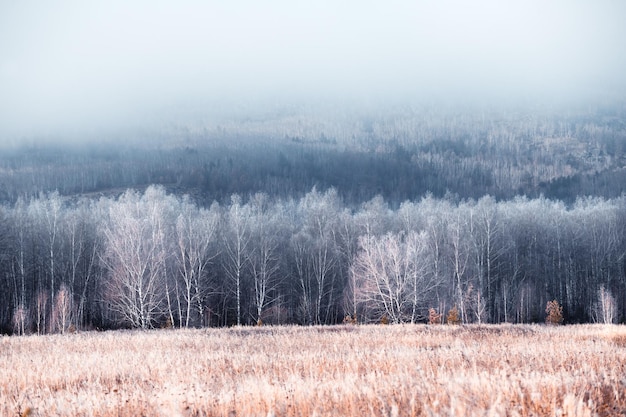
396	370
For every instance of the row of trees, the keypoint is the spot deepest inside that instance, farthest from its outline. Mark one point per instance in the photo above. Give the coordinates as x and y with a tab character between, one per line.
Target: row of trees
153	259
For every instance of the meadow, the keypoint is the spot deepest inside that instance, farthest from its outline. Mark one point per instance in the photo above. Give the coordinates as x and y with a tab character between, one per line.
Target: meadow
350	370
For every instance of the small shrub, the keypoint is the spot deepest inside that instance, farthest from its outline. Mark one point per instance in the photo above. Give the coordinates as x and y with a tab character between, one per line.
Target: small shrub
554	313
433	316
453	316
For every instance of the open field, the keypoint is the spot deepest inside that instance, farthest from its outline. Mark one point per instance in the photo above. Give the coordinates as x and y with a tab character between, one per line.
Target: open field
517	370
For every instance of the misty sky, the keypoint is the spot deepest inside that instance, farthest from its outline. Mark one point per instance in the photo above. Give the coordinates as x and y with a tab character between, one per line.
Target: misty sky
96	63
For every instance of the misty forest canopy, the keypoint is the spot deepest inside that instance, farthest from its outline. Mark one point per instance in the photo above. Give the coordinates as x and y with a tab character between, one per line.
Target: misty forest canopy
397	151
308	215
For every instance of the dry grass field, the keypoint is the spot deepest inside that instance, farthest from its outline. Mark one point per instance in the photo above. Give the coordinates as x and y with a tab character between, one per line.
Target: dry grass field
404	370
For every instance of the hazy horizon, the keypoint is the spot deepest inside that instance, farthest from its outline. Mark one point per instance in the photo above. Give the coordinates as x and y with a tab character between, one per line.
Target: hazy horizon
86	66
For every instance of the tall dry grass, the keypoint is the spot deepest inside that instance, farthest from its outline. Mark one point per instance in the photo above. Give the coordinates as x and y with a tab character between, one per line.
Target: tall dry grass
405	370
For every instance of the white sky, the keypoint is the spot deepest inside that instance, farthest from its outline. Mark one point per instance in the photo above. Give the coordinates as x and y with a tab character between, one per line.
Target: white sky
104	62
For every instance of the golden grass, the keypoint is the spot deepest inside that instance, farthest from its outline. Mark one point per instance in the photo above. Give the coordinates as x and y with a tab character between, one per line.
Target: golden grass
405	370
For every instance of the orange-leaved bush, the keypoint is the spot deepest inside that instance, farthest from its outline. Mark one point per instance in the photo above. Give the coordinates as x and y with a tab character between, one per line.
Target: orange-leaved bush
453	316
433	316
554	313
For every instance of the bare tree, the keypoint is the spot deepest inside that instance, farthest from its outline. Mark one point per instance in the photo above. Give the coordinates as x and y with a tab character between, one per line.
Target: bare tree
299	248
475	304
393	280
348	245
21	320
264	253
319	215
605	309
41	306
82	245
436	216
62	310
22	230
459	256
134	256
50	213
236	238
488	248
91	247
195	233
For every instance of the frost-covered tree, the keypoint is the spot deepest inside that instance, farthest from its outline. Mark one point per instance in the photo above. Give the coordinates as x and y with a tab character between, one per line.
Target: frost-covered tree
392	276
135	256
236	237
196	231
605	308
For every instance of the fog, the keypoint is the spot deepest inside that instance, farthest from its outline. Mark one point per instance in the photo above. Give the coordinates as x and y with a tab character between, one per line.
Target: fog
84	66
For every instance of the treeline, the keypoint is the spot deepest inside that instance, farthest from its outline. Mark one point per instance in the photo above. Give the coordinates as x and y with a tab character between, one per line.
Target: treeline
399	153
153	259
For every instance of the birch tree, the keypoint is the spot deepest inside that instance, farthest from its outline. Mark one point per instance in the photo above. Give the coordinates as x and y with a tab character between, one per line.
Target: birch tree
236	239
196	230
392	276
134	257
264	257
320	217
605	309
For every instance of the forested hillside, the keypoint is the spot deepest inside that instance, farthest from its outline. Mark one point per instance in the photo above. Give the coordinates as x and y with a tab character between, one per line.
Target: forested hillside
308	217
399	152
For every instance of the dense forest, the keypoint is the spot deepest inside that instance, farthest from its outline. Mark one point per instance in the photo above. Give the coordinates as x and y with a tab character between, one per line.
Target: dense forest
308	216
398	152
